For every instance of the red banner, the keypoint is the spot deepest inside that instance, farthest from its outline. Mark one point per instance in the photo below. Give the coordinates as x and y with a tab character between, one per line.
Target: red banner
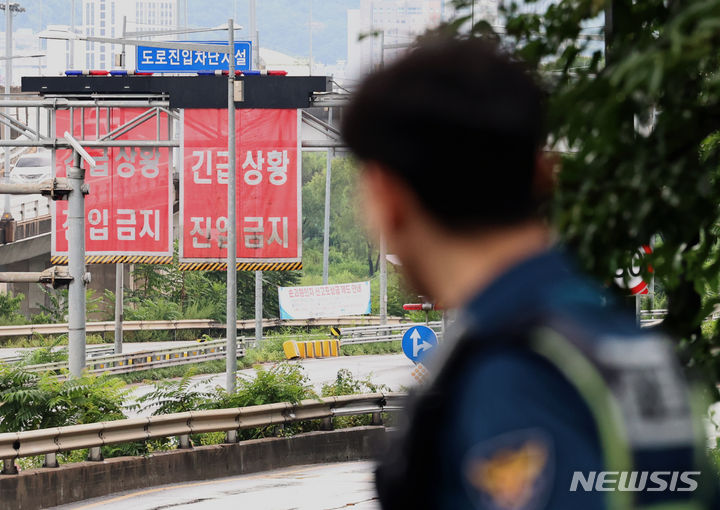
268	186
129	206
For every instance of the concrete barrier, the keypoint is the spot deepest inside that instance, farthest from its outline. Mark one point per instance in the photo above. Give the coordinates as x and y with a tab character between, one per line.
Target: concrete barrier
49	487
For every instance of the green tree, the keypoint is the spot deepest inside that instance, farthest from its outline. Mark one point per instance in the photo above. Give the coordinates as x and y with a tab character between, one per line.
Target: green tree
9	308
642	133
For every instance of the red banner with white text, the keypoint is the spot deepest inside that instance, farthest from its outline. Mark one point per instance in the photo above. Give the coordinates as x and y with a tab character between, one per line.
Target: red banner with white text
268	203
128	210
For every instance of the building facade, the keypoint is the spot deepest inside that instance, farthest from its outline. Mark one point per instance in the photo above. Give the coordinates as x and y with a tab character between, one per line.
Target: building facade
104	18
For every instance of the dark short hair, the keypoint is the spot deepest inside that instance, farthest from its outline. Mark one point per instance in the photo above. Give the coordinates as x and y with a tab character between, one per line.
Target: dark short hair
461	123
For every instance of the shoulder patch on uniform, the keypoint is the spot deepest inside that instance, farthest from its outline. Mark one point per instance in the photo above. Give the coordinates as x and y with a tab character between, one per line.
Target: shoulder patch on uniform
512	471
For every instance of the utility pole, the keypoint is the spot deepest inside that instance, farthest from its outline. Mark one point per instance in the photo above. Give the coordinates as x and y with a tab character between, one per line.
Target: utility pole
120	268
258	307
383	281
9	9
72	27
76	258
326	226
310	61
254	39
231	332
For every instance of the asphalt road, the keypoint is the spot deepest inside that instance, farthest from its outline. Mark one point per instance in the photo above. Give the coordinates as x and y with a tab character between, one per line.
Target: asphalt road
392	370
318	487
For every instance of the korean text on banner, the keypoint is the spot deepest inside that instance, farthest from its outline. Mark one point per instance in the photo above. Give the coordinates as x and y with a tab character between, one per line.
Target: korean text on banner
268	186
128	210
324	301
166	60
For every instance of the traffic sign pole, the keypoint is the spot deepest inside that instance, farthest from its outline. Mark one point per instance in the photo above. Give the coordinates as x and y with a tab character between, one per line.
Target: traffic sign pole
383	281
231	360
76	266
258	307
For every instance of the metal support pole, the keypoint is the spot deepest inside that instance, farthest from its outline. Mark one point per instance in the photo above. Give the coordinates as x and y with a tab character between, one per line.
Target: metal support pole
119	274
9	467
258	307
326	225
76	266
95	454
254	36
50	460
231	356
7	213
383	281
72	29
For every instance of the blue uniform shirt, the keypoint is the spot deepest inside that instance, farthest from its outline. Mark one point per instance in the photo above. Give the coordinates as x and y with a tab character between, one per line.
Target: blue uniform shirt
518	429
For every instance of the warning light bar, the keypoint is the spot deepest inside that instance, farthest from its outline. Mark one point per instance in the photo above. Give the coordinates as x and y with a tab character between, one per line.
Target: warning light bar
123	72
426	307
103	72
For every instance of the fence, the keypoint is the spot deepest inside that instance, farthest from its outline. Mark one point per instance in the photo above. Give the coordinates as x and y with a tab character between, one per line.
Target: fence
136	361
385	333
249	324
50	442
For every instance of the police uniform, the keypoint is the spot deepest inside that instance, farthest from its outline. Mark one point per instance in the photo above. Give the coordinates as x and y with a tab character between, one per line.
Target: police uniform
549	397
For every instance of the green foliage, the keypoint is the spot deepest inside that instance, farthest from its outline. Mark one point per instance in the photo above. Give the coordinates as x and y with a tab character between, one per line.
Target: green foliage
29	401
174	396
57	309
346	384
642	126
353	256
282	382
48	353
9	307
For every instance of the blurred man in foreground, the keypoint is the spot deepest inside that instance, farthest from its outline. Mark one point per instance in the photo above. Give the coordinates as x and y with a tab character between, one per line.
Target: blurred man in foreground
547	397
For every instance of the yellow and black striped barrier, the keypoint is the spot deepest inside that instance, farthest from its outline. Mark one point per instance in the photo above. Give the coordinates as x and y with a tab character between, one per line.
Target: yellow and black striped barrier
311	349
241	266
62	260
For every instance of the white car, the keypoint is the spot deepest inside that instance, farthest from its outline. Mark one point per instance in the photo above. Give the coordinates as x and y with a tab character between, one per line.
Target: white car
36	167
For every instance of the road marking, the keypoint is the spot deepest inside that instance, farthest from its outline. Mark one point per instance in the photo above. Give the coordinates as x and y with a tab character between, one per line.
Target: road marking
196	484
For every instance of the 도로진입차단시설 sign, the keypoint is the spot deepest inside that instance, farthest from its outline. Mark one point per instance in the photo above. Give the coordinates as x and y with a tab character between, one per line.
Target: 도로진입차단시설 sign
167	60
324	300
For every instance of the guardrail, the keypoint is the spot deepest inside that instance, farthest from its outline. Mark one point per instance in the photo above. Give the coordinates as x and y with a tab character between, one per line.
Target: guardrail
145	360
386	333
91	350
109	326
50	442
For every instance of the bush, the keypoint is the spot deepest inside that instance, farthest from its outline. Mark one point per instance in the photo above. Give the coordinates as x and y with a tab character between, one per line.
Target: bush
9	307
31	401
346	384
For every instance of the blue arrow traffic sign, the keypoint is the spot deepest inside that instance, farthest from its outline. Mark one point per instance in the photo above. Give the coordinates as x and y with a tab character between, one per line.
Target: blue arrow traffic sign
417	342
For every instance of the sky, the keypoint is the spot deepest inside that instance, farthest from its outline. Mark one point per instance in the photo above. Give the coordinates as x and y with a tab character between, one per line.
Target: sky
283	24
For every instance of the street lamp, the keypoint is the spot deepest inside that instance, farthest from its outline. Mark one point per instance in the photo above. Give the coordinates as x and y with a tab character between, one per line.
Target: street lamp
9	9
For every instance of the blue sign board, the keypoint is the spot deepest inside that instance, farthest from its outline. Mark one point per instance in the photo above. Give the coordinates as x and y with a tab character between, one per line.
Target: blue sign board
417	342
166	60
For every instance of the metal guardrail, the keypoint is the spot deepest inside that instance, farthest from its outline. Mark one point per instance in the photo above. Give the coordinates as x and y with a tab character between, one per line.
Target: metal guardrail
109	326
91	350
145	360
50	442
386	333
